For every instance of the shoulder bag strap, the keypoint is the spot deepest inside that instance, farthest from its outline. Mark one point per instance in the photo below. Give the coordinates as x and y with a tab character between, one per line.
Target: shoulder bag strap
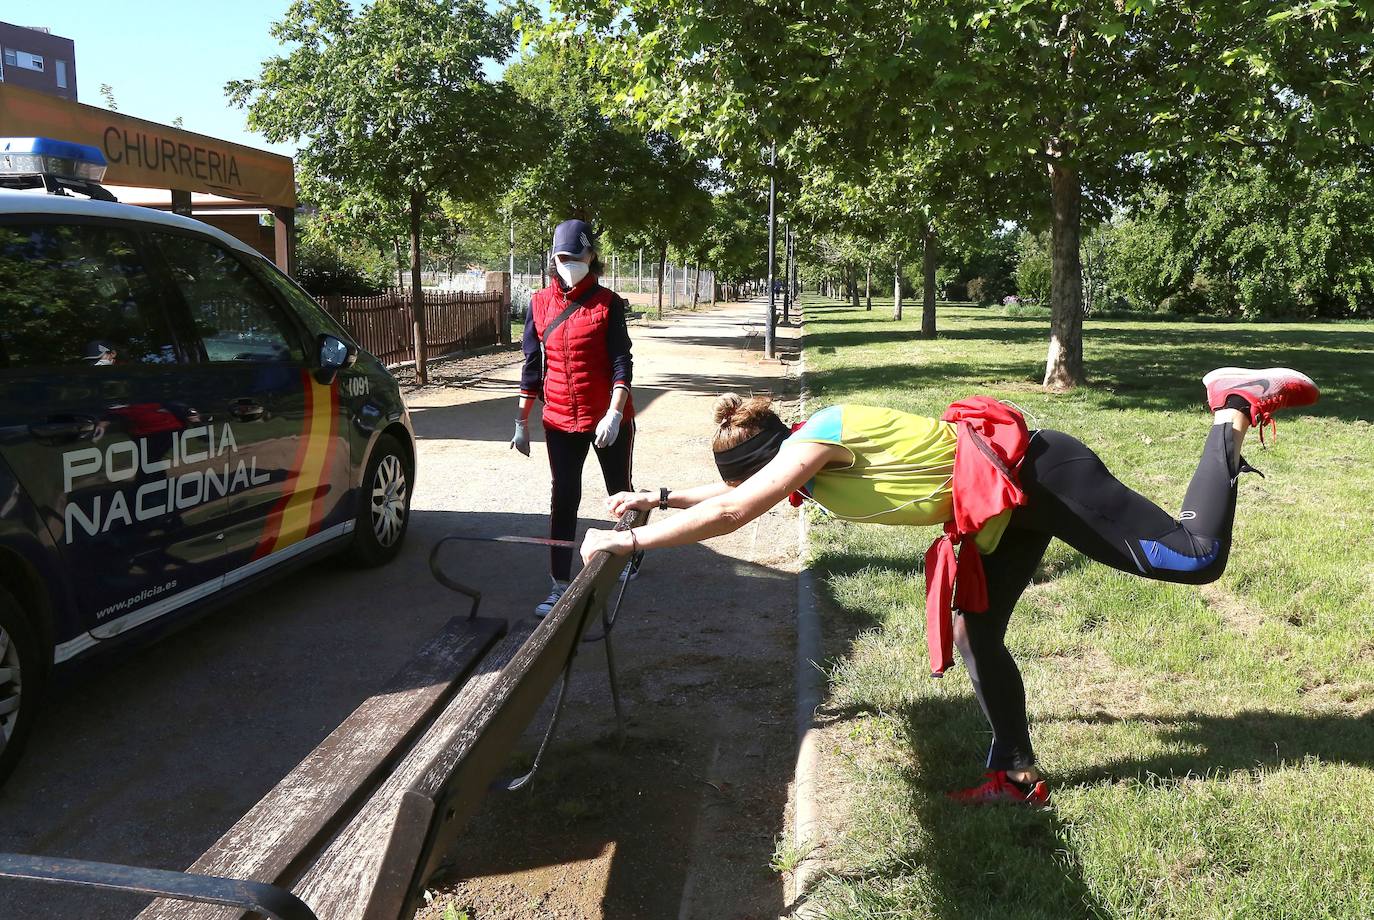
558	320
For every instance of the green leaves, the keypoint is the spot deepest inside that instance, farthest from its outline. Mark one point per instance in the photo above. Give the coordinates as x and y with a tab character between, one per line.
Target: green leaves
388	99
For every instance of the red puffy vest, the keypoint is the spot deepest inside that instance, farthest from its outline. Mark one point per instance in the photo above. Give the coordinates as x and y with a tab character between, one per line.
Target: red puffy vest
577	363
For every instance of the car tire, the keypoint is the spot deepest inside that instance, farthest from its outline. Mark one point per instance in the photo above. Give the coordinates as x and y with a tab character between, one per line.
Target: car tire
22	676
384	504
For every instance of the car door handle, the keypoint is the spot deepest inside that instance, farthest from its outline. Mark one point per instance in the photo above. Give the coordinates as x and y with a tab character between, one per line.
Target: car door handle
64	426
247	410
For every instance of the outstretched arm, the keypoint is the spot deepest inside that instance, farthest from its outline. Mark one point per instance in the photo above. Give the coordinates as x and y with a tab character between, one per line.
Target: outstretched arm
621	502
791	469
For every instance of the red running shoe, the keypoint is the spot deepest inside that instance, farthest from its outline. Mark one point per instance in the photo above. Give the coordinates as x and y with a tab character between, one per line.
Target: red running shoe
998	789
1266	391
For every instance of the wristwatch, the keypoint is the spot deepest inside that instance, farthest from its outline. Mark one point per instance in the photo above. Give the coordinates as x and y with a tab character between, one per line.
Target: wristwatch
662	499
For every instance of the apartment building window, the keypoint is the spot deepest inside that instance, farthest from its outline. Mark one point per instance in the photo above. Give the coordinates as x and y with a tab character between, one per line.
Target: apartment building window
61	74
23	59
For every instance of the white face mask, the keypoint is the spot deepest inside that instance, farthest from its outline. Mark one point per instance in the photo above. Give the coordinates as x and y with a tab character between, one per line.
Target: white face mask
572	272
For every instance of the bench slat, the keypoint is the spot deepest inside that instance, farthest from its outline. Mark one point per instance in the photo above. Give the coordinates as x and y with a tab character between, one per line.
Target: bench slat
280	835
341	882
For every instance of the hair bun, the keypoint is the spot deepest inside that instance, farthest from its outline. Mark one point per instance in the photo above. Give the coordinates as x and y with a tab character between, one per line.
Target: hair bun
727	404
735	411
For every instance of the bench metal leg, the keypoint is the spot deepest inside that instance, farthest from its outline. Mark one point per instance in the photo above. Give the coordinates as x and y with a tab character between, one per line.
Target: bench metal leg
609	613
267	900
615	691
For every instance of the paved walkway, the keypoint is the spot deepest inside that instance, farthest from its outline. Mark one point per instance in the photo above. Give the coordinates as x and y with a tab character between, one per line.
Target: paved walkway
683	820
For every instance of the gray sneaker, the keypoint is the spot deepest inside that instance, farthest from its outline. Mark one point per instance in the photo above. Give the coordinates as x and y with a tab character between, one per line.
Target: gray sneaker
555	595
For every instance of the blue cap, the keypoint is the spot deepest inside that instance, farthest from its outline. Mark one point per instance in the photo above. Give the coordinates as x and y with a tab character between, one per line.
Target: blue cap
573	237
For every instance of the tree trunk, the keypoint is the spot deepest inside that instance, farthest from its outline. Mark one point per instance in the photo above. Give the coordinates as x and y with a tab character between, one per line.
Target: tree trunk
400	264
1064	363
662	260
929	259
868	286
897	288
852	277
696	286
417	294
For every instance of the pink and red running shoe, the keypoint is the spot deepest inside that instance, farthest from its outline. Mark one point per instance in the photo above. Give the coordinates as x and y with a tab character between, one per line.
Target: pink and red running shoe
1265	391
998	789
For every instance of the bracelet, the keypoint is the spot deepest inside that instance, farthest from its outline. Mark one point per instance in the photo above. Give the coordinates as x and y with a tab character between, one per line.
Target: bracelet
663	499
634	542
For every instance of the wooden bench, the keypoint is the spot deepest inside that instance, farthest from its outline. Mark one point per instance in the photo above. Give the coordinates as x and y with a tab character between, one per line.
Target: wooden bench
360	825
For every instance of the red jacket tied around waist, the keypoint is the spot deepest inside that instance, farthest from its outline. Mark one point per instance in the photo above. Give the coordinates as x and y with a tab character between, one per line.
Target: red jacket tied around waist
991	442
587	355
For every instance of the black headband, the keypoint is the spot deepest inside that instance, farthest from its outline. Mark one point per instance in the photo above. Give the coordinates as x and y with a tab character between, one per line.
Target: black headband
753	453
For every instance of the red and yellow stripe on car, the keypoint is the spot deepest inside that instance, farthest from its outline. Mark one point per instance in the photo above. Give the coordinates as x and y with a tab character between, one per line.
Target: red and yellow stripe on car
300	510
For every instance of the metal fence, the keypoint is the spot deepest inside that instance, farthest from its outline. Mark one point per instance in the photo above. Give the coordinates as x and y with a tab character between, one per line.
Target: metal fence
630	277
384	325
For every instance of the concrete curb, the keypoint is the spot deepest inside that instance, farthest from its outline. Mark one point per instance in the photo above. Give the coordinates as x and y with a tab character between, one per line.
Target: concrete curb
808	835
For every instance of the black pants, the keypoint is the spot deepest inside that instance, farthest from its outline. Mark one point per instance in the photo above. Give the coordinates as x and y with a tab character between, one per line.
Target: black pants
1073	496
567	455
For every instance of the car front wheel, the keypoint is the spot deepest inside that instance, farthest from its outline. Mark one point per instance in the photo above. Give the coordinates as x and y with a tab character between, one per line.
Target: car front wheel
21	675
384	509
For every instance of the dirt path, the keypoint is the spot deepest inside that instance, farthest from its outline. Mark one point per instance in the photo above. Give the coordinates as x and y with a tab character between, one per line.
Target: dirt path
681	822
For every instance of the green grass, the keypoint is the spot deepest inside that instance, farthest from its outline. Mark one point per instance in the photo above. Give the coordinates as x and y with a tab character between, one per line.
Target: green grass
788	854
1211	749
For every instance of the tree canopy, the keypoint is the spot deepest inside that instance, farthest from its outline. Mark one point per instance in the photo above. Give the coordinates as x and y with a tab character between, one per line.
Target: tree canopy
393	106
1098	97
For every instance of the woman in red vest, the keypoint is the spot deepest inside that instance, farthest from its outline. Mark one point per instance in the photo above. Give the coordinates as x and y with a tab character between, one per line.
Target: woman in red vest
1000	491
577	360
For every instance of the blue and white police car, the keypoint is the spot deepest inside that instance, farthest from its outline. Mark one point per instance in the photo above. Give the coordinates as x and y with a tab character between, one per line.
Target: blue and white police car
179	422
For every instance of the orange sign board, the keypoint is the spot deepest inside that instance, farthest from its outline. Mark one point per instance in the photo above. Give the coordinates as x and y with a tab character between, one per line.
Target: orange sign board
149	155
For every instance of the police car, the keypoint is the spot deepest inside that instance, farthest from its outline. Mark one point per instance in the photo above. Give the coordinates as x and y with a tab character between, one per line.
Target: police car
179	422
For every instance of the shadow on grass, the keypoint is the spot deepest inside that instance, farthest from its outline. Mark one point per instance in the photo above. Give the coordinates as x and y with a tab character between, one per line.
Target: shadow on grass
982	862
1202	744
1130	365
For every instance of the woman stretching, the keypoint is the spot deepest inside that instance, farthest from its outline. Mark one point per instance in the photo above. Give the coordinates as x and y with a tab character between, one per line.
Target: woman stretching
989	481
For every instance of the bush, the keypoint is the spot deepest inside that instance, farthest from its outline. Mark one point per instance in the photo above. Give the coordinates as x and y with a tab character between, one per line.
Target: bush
325	268
988	291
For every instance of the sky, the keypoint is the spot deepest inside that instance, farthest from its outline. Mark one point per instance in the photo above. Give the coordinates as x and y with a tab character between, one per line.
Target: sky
164	59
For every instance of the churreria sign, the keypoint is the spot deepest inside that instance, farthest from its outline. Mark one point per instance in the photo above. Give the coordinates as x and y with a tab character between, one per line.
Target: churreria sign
149	155
123	461
160	154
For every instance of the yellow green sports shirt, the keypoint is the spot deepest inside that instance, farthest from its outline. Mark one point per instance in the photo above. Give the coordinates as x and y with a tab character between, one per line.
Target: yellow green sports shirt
901	472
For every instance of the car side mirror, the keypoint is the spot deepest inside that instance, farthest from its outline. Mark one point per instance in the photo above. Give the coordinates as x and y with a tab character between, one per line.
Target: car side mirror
335	355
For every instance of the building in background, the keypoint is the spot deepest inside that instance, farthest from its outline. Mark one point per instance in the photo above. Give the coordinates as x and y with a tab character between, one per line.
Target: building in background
34	58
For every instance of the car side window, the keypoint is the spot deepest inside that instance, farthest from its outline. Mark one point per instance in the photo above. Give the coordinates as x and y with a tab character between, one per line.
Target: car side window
78	294
315	316
235	317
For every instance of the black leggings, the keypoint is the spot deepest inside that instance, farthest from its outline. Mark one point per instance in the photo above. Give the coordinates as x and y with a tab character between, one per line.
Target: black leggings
567	454
1073	496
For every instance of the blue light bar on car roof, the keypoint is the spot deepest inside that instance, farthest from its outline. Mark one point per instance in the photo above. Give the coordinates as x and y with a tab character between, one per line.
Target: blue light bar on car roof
44	156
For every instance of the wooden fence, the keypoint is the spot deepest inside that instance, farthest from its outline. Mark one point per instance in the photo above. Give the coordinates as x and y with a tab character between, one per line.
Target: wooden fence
457	321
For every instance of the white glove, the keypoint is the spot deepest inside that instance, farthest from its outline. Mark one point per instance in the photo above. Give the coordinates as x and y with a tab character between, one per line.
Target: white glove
521	441
608	429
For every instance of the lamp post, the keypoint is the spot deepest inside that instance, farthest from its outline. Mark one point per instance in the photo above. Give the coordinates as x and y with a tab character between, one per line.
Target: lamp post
787	273
769	330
